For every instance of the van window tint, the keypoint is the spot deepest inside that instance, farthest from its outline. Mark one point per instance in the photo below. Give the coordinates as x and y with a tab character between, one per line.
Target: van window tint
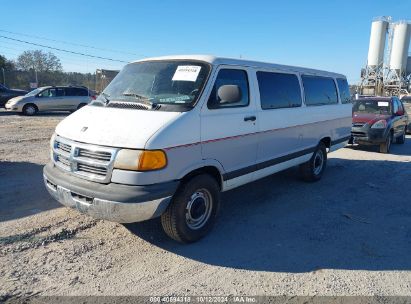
319	90
344	89
54	92
278	90
76	92
229	77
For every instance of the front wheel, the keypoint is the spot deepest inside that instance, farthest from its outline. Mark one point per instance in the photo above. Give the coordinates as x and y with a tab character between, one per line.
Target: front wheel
401	138
313	170
29	110
193	209
385	147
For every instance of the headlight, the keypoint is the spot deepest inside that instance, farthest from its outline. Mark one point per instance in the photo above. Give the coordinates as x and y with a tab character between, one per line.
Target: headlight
140	160
381	124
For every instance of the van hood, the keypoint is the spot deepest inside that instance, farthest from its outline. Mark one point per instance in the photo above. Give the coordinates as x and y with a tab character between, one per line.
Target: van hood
368	117
123	128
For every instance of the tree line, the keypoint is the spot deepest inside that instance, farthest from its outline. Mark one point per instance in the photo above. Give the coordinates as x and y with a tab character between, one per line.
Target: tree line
43	68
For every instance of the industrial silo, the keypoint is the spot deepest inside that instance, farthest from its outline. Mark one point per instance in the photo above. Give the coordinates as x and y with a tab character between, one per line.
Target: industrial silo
400	45
377	42
408	68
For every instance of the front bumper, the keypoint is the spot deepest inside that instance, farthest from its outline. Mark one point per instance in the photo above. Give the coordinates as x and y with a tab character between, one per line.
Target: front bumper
11	107
366	135
114	202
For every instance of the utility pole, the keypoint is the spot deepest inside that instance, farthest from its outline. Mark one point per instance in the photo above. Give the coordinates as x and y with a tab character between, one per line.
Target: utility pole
4	77
37	81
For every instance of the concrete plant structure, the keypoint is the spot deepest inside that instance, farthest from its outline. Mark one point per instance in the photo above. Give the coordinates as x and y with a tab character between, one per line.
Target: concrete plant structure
388	68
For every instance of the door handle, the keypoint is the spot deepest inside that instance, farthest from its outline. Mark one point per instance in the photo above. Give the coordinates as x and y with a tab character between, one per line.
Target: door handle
250	118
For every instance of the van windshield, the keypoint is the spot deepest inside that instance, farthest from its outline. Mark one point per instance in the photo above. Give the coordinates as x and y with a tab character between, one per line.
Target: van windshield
174	82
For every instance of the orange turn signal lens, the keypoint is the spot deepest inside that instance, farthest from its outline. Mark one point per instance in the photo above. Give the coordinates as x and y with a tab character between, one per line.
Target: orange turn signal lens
152	160
140	160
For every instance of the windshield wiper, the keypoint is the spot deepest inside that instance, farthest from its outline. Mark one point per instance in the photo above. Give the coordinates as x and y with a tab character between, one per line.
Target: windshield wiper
143	99
137	96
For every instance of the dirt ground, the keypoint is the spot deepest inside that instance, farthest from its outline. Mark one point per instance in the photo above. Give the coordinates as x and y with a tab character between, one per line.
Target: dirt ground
349	234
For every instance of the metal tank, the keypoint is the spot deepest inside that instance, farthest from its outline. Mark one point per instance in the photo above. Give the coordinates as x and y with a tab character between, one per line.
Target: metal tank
377	42
400	45
408	68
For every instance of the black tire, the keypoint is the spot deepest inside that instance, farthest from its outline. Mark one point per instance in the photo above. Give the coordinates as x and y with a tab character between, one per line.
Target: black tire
401	139
30	109
188	205
313	170
385	147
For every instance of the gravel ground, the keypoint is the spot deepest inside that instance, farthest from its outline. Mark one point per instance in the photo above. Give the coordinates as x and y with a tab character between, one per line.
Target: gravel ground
349	234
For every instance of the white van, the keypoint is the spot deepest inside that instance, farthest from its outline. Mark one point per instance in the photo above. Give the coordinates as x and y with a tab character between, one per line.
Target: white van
170	133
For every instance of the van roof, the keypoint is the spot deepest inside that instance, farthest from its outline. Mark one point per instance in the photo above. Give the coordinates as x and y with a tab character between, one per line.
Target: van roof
242	62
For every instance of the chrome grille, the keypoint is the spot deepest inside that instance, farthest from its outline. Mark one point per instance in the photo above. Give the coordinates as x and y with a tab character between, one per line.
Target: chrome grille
63	147
87	161
92	169
63	161
358	124
104	156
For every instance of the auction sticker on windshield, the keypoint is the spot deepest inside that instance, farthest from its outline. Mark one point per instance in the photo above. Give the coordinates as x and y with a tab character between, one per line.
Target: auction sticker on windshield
383	104
186	73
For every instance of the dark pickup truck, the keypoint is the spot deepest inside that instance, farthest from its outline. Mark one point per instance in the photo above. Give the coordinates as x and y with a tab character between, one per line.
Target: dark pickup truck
6	94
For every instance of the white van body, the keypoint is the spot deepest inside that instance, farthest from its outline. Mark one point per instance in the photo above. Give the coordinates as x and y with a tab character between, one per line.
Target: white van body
234	144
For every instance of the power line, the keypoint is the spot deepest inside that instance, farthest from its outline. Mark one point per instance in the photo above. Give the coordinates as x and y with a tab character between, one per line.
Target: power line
62	50
73	59
70	43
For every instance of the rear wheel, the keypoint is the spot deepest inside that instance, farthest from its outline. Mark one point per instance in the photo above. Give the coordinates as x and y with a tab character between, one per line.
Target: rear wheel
193	209
385	147
313	170
29	109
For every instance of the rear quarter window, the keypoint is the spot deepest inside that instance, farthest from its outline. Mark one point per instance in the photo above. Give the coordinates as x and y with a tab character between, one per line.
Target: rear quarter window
76	92
344	90
278	90
319	90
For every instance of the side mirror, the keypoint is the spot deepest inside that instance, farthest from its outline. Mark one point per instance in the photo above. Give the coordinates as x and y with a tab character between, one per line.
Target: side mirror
229	94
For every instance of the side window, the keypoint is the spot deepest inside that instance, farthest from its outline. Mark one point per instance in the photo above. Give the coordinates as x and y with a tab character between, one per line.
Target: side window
70	92
344	90
82	92
45	93
59	92
76	92
319	90
229	77
278	90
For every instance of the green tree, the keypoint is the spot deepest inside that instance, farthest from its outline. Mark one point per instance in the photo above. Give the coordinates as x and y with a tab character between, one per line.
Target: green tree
6	63
39	61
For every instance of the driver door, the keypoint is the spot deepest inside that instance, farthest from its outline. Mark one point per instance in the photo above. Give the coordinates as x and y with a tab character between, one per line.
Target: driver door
229	131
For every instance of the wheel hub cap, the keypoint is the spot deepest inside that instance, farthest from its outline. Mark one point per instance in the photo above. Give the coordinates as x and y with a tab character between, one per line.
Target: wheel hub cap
318	162
198	209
